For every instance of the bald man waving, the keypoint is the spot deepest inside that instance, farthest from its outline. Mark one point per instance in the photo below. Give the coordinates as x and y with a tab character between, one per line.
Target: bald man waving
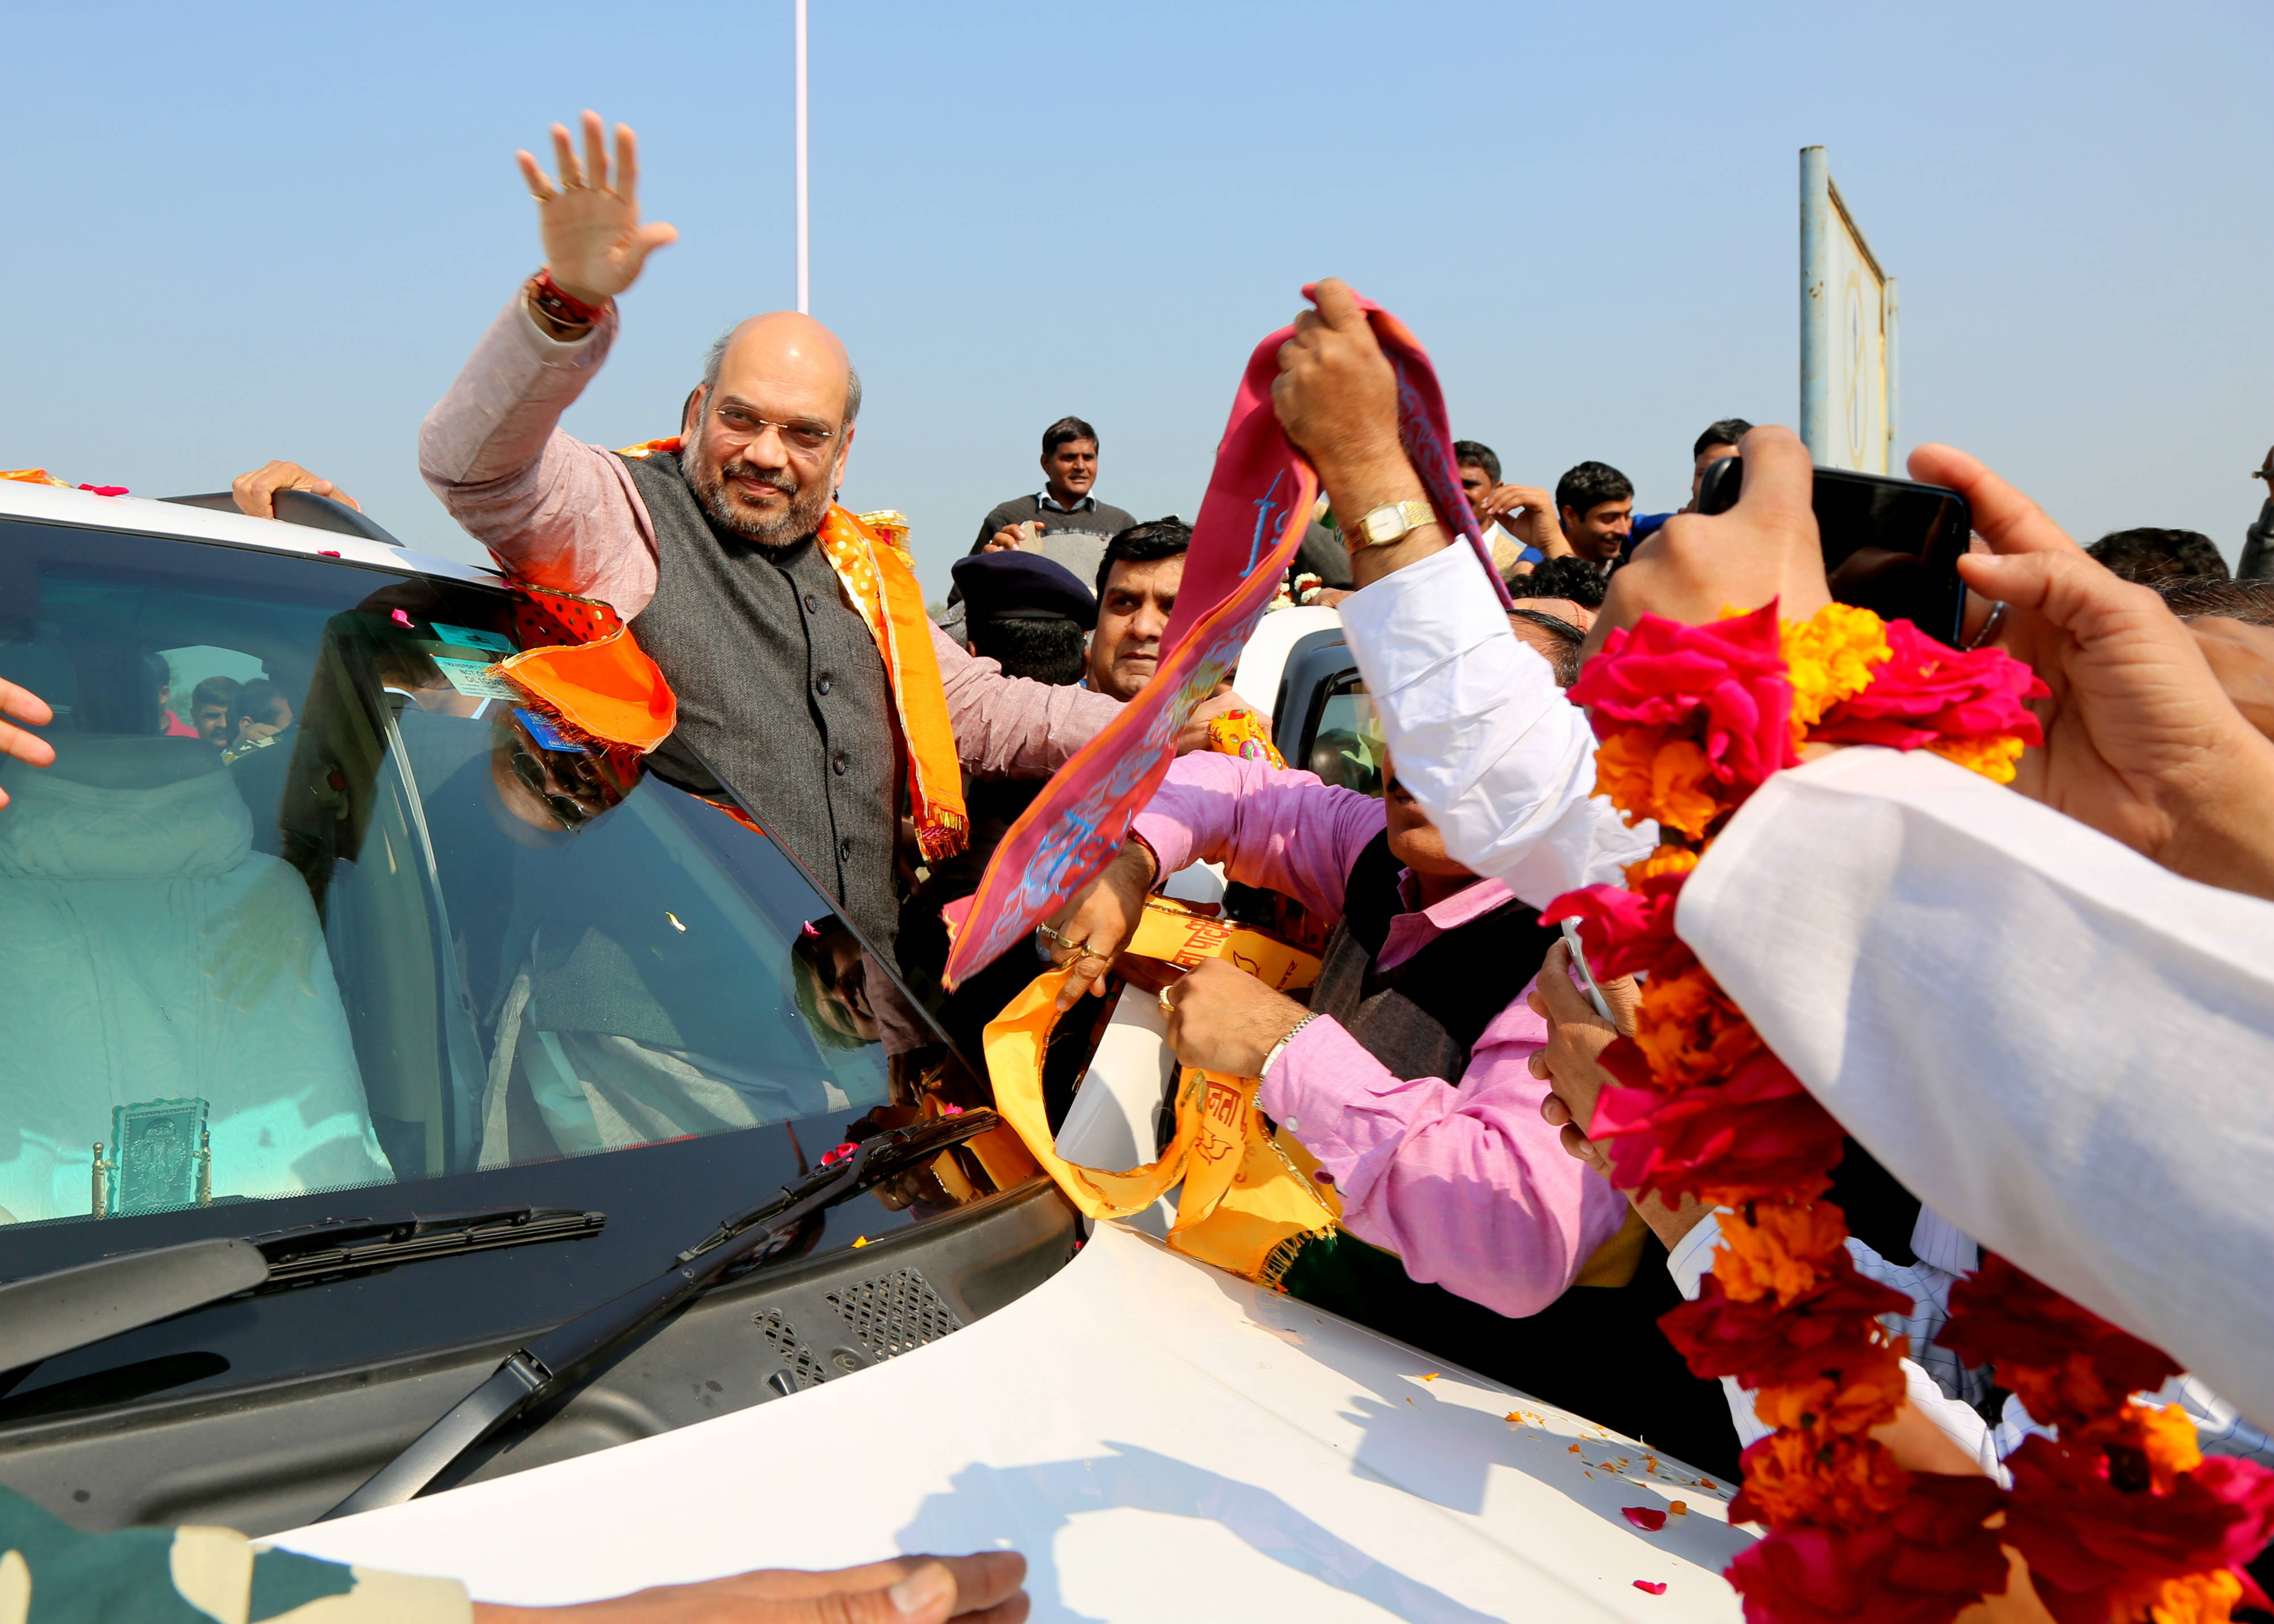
708	547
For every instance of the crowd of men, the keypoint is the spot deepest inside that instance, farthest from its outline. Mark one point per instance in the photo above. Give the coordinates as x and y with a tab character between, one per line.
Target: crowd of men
1444	1068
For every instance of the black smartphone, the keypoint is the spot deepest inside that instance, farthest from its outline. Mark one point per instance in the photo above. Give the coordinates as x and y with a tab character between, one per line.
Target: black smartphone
1890	545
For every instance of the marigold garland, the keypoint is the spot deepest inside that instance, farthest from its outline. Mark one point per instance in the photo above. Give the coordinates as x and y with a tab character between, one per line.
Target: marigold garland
2121	1518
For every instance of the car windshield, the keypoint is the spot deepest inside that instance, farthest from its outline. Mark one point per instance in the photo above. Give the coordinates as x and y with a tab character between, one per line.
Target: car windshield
310	903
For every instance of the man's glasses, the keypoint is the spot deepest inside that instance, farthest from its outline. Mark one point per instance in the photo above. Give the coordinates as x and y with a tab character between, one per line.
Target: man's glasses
806	437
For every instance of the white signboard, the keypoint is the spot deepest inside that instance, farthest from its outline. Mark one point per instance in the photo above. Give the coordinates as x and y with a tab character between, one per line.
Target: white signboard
1847	331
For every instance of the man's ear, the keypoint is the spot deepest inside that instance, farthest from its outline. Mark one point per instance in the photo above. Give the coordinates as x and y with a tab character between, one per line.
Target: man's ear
1569	517
691	413
844	453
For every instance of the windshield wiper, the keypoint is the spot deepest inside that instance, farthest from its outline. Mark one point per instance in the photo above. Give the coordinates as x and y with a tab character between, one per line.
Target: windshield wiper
538	1369
44	1315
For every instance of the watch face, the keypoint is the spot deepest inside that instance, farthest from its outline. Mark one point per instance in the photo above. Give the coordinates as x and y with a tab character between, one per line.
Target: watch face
1384	525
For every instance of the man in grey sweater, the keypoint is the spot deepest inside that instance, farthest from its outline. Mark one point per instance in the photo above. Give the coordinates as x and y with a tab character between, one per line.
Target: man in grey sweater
1064	520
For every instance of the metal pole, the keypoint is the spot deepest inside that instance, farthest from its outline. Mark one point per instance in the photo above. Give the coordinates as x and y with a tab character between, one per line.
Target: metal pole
1815	305
804	284
1892	326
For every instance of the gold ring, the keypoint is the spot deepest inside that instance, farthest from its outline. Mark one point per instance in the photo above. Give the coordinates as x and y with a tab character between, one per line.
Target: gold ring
1167	1008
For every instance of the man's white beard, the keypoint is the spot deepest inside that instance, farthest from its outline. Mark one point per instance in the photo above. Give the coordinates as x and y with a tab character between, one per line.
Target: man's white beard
801	519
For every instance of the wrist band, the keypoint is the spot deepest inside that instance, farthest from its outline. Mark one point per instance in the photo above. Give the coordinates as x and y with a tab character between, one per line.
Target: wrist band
1265	1068
545	294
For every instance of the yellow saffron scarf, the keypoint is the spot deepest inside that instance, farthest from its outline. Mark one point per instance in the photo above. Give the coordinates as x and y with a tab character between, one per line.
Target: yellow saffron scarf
1252	1200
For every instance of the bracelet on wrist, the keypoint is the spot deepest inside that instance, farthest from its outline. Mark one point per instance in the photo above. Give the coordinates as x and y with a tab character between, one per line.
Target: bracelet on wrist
1281	1045
1158	873
545	296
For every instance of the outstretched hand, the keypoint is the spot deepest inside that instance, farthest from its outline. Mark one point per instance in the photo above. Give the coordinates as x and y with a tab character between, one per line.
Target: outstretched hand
980	1588
594	242
2141	742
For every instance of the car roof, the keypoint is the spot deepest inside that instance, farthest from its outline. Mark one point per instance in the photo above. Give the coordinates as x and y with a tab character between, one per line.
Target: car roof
54	505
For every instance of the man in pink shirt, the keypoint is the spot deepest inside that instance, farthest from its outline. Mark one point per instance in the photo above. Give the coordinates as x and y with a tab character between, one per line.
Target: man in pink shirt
1408	1078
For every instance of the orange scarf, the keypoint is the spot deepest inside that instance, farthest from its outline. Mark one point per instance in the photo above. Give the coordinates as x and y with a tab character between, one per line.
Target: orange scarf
880	582
878	579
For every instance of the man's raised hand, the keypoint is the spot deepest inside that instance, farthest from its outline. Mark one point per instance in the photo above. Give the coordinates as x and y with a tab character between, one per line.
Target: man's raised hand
1336	394
594	242
1337	398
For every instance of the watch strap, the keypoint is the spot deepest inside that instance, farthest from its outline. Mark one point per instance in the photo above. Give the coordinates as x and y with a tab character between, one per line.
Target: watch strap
1280	1047
1391	522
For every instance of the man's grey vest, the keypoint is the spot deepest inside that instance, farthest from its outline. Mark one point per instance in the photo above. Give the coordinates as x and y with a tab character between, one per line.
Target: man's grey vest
782	696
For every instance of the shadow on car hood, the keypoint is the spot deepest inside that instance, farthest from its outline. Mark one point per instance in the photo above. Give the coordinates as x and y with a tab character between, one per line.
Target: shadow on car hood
1162	1440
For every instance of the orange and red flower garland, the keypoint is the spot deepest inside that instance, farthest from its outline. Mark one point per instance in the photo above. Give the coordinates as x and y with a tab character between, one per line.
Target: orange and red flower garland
2122	1518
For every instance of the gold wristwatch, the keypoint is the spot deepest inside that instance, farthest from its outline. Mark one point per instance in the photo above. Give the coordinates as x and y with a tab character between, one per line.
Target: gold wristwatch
1391	522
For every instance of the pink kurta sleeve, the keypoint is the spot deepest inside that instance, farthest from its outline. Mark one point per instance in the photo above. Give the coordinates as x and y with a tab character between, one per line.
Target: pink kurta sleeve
549	507
1012	727
1466	1184
1274	828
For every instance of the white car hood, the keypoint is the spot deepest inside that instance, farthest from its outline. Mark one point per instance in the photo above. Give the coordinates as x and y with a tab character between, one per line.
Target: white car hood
1162	1440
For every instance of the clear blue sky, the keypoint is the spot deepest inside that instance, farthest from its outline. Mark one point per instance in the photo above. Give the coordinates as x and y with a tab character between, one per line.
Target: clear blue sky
242	230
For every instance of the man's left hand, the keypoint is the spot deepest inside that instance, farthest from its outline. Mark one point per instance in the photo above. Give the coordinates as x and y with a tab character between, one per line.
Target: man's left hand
1222	1019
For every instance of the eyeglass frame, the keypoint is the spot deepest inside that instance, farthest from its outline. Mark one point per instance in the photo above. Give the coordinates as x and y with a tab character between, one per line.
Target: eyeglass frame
788	432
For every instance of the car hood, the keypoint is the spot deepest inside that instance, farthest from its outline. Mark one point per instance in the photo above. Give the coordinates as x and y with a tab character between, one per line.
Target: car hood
1162	1440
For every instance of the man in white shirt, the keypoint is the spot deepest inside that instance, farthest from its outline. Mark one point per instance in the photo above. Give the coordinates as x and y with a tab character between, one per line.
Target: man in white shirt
1913	941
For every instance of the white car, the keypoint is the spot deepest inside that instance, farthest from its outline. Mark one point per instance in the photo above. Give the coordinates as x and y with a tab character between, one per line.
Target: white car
403	1107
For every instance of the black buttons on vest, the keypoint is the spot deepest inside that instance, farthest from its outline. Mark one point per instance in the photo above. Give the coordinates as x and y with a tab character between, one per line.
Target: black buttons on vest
821	683
838	762
812	604
845	851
